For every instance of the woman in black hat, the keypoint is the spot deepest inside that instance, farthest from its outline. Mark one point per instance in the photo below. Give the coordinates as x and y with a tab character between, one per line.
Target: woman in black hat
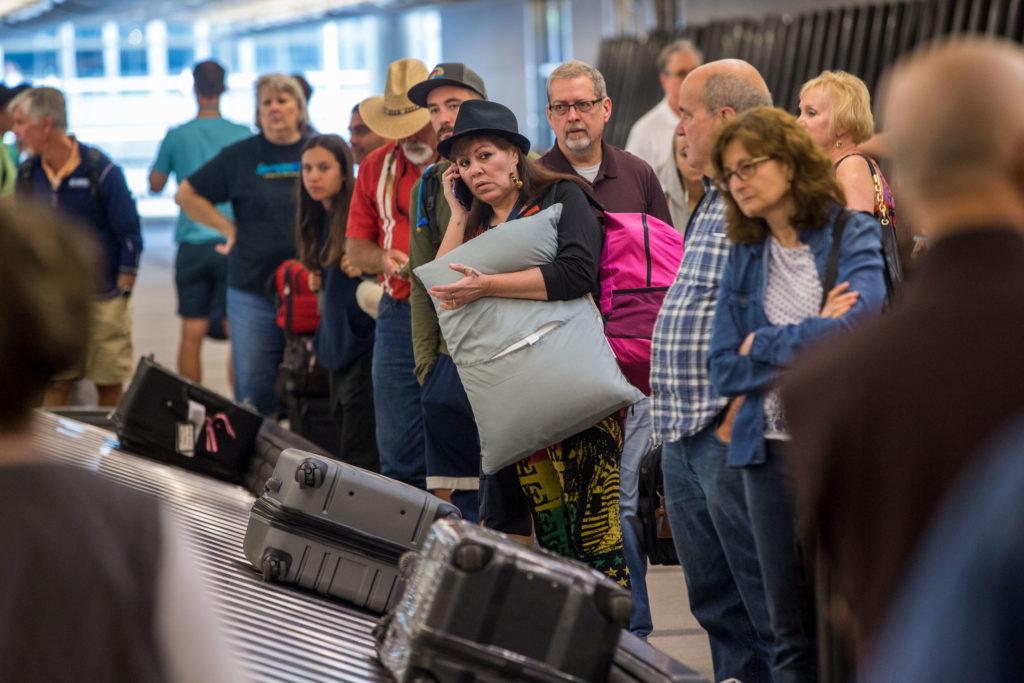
574	484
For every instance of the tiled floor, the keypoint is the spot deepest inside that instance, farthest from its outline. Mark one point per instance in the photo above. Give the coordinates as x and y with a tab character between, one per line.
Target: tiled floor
156	329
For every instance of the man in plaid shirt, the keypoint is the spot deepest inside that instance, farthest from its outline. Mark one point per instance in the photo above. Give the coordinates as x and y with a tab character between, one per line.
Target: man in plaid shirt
704	498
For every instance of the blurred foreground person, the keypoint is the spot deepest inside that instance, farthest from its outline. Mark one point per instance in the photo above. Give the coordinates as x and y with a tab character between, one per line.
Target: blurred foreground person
887	420
97	584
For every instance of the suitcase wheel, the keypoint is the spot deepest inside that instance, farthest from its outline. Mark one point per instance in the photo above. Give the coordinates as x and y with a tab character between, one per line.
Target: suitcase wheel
614	605
407	562
310	473
470	557
274	564
273	485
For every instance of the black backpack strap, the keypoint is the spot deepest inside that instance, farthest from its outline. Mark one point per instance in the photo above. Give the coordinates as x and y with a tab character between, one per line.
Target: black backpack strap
23	183
832	265
94	167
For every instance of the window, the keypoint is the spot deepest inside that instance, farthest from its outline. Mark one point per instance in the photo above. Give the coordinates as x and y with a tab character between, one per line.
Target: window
178	59
34	65
304	57
133	63
266	58
89	63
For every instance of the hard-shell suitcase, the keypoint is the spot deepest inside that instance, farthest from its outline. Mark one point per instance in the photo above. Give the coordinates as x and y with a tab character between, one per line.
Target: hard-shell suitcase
168	418
339	530
480	607
638	662
271	441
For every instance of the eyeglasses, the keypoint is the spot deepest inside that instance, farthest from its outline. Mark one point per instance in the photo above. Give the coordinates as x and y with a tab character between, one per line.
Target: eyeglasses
745	171
583	107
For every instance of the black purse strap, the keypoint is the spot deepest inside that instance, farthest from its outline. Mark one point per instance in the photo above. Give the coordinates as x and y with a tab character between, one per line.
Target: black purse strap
832	265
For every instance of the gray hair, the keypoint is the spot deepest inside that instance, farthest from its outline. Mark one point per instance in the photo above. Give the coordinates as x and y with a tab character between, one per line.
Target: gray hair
731	90
574	69
681	45
41	102
281	83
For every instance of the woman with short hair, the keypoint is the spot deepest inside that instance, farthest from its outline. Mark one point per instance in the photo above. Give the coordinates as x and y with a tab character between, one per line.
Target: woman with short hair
783	213
258	176
835	108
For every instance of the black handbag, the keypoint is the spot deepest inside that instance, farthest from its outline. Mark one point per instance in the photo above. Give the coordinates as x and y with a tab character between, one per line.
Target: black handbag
661	550
300	373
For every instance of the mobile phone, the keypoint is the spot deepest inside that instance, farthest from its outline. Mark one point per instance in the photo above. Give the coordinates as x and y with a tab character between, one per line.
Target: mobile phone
462	193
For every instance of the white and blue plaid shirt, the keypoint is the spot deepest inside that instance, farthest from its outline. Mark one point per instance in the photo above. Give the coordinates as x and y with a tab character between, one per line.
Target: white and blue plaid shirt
682	400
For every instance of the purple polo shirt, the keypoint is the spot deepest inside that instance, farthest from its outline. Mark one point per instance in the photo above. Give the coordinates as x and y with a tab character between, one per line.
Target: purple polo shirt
624	183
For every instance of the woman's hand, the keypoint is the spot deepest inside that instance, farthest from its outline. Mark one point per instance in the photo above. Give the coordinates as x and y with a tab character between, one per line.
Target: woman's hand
473	286
839	301
349	268
226	247
314	282
448	179
747	344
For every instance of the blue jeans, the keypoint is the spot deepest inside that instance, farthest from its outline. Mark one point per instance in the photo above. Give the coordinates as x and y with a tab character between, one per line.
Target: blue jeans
787	583
707	511
637	442
396	396
257	345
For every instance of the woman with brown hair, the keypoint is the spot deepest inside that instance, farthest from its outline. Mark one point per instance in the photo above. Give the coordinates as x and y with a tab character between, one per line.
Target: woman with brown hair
802	270
344	338
574	484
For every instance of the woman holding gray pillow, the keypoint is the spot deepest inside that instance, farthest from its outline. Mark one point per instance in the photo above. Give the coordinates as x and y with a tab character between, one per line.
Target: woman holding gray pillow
573	485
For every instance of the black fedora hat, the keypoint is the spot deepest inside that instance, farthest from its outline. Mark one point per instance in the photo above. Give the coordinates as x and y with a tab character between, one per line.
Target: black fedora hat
482	117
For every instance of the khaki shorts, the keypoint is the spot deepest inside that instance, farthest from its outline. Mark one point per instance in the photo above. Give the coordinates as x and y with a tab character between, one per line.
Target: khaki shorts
109	356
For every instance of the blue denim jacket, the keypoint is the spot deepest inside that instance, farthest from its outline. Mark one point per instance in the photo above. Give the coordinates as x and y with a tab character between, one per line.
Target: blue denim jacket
740	311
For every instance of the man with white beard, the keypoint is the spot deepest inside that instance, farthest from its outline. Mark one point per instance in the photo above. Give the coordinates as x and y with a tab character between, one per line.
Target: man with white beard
378	242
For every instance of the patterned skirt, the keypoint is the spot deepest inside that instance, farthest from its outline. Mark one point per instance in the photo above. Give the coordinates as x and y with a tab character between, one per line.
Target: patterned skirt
573	491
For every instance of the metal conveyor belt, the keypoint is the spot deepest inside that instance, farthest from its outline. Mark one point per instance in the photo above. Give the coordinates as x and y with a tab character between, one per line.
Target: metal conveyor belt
278	633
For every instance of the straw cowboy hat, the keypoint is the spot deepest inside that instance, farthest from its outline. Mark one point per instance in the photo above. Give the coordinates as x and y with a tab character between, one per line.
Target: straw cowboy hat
394	115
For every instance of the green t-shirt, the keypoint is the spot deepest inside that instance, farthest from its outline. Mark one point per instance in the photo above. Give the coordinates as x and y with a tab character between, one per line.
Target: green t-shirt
183	151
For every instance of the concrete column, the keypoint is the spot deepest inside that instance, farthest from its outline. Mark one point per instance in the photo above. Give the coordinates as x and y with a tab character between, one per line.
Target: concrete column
156	47
111	50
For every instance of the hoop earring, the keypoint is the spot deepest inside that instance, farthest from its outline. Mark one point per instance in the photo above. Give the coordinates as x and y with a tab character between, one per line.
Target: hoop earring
515	180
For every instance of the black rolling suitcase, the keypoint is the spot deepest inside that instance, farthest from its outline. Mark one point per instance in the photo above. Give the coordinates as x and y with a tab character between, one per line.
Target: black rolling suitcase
302	387
165	417
479	607
657	539
336	529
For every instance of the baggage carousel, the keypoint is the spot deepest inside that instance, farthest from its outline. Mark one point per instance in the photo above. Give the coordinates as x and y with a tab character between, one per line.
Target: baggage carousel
277	633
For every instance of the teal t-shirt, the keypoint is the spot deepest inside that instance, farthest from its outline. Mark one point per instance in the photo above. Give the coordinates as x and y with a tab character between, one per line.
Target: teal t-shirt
183	151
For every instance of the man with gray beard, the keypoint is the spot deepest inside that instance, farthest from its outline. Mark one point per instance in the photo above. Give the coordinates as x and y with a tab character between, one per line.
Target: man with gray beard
378	242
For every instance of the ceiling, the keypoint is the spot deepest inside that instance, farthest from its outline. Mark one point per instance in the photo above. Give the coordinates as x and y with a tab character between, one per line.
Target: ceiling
242	15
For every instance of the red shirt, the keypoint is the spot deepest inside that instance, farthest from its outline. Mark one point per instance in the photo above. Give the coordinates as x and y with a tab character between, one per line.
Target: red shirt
380	207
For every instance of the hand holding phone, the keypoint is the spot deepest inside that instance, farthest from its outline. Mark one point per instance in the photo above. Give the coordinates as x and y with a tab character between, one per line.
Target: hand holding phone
456	191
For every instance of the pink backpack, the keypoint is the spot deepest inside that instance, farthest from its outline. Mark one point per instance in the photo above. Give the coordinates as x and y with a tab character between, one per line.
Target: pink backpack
638	264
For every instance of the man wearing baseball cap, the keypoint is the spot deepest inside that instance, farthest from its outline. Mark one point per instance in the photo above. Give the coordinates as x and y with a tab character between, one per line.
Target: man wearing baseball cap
450	436
378	242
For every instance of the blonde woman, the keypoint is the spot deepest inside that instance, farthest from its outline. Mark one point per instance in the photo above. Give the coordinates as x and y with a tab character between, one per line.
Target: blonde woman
835	108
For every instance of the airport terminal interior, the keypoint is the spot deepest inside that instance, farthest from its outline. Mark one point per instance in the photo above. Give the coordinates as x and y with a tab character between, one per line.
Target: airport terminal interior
127	73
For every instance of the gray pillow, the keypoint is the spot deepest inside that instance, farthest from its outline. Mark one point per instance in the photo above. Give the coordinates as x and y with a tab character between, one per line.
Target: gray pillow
535	372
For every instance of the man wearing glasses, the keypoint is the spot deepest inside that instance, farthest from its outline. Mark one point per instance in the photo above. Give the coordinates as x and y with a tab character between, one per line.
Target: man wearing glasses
652	135
578	108
704	498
